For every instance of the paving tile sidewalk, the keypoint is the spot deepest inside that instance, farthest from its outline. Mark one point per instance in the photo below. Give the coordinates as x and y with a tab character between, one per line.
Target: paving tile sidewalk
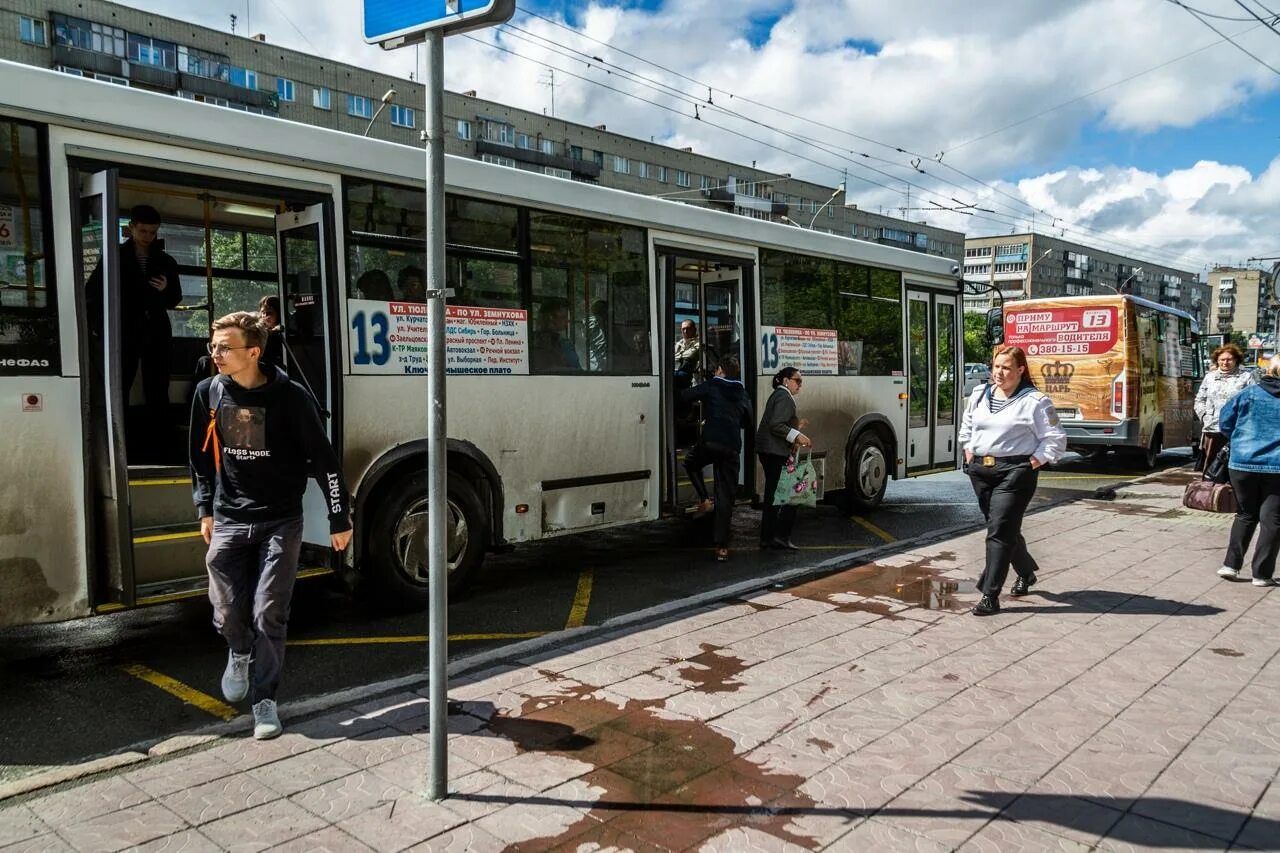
1128	703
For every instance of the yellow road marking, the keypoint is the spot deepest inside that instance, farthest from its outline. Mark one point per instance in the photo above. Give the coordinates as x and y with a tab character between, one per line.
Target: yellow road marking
181	482
166	537
1107	476
414	638
581	600
873	529
187	694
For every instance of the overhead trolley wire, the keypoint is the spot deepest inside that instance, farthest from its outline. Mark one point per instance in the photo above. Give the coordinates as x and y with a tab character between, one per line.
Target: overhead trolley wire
922	159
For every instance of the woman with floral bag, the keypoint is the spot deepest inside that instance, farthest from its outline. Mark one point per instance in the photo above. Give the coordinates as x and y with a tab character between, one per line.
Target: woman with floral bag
779	432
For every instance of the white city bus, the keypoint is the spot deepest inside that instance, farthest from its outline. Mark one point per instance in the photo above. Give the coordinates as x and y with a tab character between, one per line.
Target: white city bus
566	306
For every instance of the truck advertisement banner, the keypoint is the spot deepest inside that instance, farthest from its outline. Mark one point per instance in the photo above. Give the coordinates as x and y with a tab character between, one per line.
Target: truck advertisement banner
1074	351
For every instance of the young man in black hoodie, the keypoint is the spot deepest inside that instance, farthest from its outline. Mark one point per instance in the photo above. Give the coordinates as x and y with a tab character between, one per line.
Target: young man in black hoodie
256	437
726	412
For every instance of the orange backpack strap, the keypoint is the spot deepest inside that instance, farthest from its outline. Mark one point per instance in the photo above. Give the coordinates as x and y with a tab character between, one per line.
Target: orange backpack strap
211	432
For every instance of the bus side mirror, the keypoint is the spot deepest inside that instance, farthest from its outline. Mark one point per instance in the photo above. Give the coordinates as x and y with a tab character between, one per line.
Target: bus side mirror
995	327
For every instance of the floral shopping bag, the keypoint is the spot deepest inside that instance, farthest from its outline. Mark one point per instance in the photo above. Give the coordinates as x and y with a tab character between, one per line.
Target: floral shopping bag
798	483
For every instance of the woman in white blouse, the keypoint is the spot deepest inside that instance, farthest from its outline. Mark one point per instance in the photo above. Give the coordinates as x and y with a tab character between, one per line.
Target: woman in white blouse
1009	431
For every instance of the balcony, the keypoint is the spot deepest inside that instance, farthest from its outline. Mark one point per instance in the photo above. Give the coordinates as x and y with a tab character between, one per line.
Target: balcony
153	77
88	60
209	87
580	169
729	199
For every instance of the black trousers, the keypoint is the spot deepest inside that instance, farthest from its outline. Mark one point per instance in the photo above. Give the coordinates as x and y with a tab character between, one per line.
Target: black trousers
152	350
1258	496
725	462
1004	491
775	522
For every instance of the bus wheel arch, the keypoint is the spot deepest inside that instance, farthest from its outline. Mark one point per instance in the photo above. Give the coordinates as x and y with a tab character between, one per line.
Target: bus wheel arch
869	456
1149	455
392	509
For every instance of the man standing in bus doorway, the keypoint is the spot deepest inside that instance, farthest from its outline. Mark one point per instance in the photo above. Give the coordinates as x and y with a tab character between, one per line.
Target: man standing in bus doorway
256	436
149	287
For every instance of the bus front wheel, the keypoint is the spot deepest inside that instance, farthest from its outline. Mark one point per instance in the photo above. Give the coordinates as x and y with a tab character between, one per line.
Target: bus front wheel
867	477
398	544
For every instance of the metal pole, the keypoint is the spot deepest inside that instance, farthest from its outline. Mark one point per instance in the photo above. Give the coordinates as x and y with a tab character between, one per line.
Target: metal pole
437	568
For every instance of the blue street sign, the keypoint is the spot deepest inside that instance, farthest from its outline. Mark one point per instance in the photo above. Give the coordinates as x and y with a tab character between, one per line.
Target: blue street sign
397	20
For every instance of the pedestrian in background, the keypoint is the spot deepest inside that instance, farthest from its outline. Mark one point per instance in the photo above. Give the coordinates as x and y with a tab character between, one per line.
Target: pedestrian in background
1009	431
778	435
1222	383
1250	421
727	412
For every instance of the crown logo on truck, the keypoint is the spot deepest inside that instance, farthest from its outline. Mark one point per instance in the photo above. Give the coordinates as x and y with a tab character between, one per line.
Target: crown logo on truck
1057	376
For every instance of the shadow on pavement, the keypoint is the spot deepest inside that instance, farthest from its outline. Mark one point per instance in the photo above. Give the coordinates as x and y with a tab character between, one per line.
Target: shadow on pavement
1109	601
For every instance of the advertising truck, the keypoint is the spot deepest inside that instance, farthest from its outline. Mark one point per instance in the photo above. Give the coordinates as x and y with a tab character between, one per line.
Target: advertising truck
1122	371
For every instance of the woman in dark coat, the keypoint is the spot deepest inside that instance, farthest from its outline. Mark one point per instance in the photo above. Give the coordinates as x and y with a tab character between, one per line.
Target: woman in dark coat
779	431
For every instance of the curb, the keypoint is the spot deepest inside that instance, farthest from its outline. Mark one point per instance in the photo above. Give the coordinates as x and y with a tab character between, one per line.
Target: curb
206	735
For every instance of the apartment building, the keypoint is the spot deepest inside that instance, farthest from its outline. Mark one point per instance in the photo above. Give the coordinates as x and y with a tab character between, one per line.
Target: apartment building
1030	265
129	47
1243	300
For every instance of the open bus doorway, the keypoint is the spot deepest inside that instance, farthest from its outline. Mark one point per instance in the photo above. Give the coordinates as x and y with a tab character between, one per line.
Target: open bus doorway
226	242
705	322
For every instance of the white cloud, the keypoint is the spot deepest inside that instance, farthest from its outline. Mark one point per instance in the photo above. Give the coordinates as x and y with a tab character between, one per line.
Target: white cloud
940	74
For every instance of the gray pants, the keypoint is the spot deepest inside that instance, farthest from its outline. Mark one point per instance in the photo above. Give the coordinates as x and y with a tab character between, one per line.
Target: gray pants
252	568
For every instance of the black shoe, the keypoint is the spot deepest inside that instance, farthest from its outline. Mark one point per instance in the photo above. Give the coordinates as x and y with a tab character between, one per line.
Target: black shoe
988	606
1023	585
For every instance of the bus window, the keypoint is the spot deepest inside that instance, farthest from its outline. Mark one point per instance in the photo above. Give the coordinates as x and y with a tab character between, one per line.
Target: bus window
29	341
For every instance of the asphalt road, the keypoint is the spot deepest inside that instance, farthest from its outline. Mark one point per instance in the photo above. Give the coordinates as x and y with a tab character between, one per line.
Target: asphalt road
80	689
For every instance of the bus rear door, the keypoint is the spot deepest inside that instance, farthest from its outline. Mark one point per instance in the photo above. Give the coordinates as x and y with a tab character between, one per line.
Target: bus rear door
933	366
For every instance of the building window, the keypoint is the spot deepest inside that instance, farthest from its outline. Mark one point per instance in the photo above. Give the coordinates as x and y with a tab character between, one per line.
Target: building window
32	30
402	116
284	89
642	170
245	78
464	129
557	173
598	158
503	134
897	235
621	165
682	178
86	35
546	146
575	151
705	182
498	161
202	64
522	141
148	51
662	174
321	98
359	106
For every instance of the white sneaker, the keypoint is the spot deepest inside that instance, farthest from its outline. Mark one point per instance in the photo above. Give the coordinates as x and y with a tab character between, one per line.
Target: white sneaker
1228	572
266	722
1264	582
235	679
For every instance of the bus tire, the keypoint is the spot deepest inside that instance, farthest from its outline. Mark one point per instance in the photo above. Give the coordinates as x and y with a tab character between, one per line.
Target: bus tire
1147	458
867	474
397	531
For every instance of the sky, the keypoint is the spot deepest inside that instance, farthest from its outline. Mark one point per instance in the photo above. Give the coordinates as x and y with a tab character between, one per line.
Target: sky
1127	124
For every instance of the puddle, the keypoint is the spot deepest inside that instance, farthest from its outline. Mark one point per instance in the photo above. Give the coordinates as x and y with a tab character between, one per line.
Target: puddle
670	783
712	672
888	590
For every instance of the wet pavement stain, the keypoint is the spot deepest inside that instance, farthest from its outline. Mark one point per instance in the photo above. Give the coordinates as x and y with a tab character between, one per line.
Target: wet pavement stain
667	783
1228	653
884	590
711	672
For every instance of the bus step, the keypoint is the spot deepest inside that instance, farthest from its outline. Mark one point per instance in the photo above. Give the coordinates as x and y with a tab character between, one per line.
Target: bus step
168	553
157	498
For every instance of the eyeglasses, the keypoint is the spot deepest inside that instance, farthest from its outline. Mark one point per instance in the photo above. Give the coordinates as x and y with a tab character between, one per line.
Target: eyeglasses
797	380
221	349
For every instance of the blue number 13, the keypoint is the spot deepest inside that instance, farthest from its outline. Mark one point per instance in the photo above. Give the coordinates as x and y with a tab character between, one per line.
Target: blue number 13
382	347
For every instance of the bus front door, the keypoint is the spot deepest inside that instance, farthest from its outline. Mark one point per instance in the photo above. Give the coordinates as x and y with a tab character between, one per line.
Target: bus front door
932	370
704	299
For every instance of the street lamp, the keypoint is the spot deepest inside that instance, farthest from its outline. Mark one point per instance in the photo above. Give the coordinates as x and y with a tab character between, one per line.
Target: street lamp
387	97
790	221
839	190
1026	280
1120	289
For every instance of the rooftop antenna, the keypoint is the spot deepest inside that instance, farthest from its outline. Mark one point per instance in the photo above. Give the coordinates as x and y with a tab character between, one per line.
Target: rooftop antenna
233	23
550	80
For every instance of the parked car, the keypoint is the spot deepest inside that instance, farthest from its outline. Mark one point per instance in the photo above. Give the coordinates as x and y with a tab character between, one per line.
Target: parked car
975	374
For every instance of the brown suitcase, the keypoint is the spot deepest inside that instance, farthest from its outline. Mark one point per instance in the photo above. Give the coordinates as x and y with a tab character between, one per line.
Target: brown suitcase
1209	496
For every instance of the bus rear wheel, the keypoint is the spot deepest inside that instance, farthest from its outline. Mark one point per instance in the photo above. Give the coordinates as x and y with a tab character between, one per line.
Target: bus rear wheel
397	547
1147	458
867	476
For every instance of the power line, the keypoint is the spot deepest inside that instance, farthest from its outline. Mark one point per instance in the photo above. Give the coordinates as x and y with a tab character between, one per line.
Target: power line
1238	46
1211	14
684	98
1269	25
920	159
